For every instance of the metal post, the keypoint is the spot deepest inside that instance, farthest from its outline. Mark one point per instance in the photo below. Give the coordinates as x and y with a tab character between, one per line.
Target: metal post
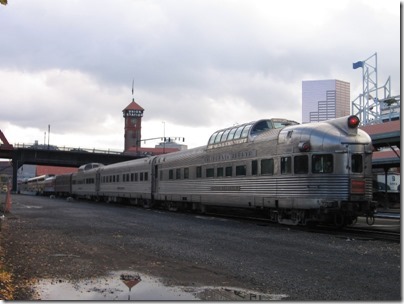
48	135
164	137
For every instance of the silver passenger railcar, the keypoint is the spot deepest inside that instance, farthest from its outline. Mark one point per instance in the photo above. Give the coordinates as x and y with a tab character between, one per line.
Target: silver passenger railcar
63	185
84	181
318	172
130	180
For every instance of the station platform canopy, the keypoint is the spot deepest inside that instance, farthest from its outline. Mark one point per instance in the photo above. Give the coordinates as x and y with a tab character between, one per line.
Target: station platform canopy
241	133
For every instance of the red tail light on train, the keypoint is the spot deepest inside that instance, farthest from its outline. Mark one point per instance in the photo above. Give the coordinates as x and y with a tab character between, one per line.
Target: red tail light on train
353	121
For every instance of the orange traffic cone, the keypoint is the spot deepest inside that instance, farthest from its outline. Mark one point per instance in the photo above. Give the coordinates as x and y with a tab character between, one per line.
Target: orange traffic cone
7	208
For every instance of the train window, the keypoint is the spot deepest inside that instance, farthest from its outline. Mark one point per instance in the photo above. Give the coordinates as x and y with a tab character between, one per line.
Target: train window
241	170
238	132
245	131
267	166
132	177
231	134
225	134
218	137
260	127
117	178
229	171
186	173
113	178
146	176
220	172
212	138
286	165
357	164
136	177
141	176
254	167
171	174
127	177
210	172
178	173
322	163
301	164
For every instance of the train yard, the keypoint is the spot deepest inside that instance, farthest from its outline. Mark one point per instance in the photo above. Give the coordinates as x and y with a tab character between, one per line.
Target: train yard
70	241
268	209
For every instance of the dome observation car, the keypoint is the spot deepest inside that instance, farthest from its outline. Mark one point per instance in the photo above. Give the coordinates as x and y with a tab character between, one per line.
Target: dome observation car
241	133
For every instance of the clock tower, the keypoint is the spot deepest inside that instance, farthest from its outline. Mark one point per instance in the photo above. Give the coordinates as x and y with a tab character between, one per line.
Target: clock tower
133	122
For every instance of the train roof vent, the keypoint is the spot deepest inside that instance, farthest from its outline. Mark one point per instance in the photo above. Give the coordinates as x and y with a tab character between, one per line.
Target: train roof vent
241	133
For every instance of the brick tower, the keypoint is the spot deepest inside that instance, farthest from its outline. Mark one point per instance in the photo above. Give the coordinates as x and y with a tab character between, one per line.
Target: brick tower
133	123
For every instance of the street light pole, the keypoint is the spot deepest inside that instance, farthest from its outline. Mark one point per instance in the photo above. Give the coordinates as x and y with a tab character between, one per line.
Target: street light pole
164	137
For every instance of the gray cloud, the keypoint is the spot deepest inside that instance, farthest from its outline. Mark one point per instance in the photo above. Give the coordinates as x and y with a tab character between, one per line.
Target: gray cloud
193	62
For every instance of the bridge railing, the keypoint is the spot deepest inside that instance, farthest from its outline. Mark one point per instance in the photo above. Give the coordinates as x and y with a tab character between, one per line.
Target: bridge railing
64	148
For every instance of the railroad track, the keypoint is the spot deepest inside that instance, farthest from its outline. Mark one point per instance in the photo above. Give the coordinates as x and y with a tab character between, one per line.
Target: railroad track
348	233
377	234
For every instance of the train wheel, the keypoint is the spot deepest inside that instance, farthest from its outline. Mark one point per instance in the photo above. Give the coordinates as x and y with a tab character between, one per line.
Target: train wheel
370	220
339	220
172	207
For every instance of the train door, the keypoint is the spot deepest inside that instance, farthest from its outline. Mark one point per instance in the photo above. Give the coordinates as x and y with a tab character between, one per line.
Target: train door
359	165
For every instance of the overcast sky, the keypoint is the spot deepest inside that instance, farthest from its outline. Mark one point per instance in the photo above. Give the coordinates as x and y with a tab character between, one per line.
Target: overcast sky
197	65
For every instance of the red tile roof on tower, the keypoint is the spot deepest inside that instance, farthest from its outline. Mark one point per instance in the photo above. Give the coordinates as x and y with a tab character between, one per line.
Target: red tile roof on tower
133	106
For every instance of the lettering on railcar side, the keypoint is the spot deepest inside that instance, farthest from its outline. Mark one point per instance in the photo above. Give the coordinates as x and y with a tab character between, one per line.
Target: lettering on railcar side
230	156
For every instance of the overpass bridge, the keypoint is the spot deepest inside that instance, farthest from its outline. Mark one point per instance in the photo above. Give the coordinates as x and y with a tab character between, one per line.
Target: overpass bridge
56	156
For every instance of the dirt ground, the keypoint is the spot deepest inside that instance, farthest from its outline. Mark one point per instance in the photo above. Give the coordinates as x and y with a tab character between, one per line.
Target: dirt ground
67	241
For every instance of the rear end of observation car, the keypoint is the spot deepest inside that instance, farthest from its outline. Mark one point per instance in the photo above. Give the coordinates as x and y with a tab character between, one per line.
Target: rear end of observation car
332	173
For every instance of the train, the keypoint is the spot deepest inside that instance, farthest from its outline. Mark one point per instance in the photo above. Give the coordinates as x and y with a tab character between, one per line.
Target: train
38	185
294	174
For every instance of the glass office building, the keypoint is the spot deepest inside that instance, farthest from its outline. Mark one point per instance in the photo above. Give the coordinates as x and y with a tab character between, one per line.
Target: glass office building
325	99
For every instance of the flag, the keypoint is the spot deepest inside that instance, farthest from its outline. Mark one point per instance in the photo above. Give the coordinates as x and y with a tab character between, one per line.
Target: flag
4	2
358	64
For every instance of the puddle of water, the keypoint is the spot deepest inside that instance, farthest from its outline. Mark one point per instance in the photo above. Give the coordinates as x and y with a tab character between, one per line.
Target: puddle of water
110	288
125	285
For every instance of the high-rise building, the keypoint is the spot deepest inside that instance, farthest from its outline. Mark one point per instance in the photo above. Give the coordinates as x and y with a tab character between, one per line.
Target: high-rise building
325	99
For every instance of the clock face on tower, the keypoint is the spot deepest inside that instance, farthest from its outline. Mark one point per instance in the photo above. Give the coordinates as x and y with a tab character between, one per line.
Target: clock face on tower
133	121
